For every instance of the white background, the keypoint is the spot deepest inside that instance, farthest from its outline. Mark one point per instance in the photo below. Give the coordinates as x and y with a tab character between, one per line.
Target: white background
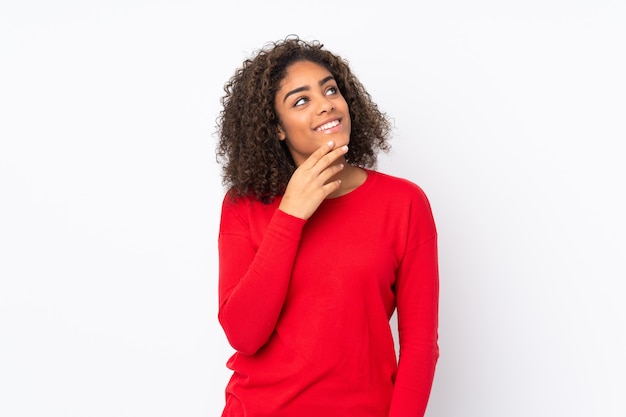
510	115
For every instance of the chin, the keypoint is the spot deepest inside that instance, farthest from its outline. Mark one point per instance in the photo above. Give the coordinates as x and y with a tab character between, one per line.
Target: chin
341	141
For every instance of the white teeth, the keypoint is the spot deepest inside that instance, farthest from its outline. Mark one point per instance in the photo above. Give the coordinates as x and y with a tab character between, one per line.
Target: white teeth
328	125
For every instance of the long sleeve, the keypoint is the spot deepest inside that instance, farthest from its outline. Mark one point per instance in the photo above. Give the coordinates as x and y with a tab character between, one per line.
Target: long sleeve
253	276
417	293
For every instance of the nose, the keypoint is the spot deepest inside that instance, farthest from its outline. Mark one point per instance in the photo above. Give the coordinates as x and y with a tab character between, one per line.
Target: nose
326	105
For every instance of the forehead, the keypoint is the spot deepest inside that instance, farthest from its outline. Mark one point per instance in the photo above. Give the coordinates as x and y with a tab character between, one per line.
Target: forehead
303	73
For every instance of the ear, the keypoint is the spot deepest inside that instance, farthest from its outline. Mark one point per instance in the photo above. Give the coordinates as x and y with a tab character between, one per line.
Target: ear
281	133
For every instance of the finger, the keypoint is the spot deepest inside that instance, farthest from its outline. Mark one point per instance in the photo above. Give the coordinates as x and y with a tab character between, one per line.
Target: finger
318	154
329	172
331	187
331	157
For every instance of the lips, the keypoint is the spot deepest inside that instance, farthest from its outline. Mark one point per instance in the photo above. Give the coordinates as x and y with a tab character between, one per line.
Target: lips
328	125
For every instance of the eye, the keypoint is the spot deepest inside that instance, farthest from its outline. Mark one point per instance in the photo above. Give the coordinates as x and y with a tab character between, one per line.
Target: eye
301	101
331	91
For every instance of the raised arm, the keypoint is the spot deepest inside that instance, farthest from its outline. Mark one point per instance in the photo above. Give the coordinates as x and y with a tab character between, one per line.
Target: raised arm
253	282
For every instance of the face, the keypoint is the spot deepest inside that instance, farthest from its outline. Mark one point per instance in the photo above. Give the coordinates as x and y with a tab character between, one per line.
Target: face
311	110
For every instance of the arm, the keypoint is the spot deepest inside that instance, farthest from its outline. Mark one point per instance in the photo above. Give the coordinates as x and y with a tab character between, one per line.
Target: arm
417	298
253	284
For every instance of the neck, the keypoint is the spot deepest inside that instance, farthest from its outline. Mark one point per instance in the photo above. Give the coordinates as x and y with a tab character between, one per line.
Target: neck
351	177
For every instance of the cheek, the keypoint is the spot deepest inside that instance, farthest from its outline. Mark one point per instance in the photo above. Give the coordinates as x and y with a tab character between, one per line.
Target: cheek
296	124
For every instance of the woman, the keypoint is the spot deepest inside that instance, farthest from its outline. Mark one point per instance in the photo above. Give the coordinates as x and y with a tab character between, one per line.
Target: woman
317	249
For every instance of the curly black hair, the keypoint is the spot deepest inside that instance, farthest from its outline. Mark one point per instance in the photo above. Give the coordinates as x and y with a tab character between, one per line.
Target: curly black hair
254	162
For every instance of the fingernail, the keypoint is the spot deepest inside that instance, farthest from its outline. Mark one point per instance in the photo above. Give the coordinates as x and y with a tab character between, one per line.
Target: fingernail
331	143
345	148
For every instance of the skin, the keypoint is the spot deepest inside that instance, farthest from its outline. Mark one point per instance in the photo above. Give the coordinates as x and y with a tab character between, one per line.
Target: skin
315	125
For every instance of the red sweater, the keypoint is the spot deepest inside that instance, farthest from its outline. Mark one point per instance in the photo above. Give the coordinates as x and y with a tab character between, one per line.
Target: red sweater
306	304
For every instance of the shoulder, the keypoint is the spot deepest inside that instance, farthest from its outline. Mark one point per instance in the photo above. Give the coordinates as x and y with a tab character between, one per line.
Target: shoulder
398	187
246	205
405	201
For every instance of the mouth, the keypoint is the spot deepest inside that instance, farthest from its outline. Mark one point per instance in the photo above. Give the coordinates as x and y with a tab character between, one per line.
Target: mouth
328	125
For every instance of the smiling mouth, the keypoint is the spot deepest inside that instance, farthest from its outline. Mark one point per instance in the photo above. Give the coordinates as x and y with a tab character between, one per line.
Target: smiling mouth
327	126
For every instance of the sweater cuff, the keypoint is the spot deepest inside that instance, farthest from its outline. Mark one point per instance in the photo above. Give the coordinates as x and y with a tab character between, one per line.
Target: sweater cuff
287	223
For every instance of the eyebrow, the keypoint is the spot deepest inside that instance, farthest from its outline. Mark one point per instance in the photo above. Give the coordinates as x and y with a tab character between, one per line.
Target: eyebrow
306	88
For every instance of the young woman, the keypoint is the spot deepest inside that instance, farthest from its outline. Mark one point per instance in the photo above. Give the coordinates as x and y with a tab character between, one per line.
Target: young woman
317	249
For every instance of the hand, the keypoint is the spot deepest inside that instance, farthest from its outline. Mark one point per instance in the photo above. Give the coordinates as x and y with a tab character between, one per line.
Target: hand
310	183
